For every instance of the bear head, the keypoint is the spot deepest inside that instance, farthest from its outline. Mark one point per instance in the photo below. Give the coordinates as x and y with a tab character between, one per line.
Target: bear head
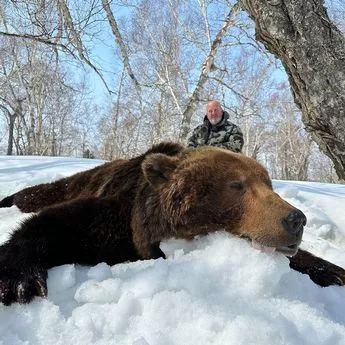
208	190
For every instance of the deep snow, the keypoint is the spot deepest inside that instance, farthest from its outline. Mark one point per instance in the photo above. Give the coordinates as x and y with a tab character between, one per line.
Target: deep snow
214	290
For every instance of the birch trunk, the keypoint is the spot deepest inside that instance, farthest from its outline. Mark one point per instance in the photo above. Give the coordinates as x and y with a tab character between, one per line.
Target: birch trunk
312	51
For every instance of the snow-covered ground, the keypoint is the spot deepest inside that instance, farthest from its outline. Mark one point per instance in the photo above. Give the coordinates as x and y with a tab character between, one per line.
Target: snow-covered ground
213	290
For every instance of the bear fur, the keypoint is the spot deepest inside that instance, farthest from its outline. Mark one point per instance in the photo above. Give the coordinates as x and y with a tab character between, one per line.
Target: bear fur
122	210
118	177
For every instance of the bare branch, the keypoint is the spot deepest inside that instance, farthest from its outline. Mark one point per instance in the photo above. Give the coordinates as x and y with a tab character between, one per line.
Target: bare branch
205	70
203	6
76	40
40	40
220	81
123	49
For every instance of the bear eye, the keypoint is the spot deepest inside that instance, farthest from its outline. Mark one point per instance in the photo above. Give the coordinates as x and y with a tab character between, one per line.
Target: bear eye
236	185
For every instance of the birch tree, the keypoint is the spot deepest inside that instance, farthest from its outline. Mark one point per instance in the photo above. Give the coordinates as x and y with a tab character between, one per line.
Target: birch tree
312	51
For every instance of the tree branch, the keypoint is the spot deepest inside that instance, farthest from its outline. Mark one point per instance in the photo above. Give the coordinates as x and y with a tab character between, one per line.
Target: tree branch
205	70
40	40
120	43
76	40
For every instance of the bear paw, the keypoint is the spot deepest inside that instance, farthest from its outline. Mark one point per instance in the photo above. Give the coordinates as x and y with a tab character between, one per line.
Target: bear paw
22	286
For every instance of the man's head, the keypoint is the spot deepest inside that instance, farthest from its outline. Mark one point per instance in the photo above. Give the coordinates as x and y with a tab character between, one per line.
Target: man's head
214	112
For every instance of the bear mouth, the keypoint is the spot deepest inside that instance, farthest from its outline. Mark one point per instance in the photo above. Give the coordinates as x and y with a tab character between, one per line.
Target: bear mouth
290	250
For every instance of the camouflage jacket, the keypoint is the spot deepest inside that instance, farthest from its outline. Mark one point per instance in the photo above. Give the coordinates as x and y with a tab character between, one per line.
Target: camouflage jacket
224	134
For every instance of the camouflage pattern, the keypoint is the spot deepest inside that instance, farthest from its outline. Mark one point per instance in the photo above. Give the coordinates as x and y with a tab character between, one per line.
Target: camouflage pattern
224	134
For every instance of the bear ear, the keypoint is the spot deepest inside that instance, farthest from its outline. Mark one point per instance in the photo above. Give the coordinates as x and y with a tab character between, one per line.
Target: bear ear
157	168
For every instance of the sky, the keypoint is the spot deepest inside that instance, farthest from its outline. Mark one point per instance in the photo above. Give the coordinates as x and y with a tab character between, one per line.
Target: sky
214	290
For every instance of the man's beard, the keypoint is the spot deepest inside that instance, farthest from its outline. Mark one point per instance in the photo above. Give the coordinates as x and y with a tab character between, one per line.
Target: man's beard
214	121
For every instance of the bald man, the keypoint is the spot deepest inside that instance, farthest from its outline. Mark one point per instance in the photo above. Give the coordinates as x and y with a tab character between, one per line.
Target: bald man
217	130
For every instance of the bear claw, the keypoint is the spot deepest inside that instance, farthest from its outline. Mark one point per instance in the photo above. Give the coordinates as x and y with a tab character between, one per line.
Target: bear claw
22	288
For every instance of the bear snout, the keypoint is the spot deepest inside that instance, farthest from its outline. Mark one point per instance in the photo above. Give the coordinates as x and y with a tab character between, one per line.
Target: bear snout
295	222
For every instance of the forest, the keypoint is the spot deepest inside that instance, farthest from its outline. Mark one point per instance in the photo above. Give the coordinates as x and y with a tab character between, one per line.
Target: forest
107	79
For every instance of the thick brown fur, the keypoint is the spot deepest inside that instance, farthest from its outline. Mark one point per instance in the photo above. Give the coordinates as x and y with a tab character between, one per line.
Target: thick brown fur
122	210
108	180
209	190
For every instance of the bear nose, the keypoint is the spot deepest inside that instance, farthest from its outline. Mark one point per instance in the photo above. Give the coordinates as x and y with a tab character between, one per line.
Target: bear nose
294	222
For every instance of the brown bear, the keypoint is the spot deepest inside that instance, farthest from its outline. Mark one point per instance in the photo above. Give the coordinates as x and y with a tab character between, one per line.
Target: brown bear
122	210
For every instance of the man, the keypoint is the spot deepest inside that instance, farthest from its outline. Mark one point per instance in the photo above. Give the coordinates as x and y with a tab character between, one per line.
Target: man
217	130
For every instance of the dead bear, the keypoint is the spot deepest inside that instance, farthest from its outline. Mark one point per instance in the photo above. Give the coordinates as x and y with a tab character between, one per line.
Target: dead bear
122	210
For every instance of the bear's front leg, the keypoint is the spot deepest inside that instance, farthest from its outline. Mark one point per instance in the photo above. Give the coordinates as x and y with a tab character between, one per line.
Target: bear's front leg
320	271
22	284
155	252
22	277
84	231
145	248
144	239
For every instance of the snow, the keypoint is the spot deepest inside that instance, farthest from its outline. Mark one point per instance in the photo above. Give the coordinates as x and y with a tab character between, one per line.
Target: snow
215	289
